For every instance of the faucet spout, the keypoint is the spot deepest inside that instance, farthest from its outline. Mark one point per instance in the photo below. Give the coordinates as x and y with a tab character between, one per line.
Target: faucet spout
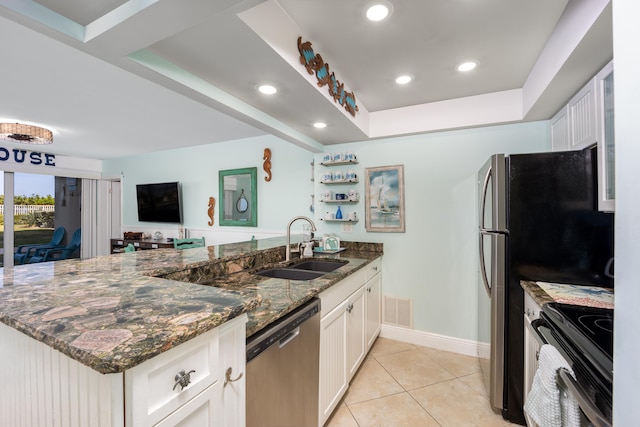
288	247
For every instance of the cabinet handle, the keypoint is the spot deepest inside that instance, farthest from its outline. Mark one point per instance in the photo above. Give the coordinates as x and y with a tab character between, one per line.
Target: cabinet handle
369	289
349	308
182	378
227	376
375	268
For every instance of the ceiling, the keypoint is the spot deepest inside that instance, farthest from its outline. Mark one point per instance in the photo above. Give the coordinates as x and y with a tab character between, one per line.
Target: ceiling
117	78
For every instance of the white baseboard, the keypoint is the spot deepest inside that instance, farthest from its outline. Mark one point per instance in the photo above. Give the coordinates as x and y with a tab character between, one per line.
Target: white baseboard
440	342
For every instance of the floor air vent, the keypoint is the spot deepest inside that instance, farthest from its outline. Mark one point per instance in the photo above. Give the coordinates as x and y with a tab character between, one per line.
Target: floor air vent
397	311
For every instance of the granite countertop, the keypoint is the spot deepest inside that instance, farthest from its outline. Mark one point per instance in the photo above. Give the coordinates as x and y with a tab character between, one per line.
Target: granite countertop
114	312
590	296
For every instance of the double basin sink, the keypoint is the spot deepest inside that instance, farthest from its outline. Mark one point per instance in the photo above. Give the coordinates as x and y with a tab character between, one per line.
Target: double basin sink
305	270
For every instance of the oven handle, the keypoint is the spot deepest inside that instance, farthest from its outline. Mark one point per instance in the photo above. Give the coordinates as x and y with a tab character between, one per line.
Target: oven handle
564	377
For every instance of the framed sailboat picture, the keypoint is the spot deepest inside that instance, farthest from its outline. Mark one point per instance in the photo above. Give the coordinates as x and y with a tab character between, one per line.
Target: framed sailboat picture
384	199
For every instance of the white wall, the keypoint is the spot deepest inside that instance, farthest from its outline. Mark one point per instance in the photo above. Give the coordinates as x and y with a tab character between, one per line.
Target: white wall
435	260
627	128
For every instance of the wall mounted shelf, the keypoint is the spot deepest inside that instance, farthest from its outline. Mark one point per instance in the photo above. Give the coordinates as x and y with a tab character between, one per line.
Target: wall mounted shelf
344	181
340	163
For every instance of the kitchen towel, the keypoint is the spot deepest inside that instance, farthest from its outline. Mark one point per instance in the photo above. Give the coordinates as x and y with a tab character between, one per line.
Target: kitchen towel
548	404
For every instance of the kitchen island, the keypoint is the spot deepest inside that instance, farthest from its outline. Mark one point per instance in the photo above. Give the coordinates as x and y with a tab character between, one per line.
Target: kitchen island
116	312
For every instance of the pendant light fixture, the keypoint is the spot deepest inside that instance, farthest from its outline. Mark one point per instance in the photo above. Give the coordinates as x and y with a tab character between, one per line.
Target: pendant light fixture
26	134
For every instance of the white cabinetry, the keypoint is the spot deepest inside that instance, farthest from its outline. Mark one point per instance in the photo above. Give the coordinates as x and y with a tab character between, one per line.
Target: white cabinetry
154	396
606	140
531	346
574	127
70	393
350	322
583	117
586	120
560	131
373	295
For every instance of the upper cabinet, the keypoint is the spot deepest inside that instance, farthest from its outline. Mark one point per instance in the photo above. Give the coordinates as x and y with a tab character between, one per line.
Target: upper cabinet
606	140
587	120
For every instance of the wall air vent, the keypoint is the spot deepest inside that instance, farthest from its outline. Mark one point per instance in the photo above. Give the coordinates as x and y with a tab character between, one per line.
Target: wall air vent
397	311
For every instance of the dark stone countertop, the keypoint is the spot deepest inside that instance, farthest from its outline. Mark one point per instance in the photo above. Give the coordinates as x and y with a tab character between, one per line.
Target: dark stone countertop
114	312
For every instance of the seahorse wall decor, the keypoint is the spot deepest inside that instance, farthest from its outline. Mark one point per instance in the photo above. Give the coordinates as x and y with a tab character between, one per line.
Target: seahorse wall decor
211	210
267	164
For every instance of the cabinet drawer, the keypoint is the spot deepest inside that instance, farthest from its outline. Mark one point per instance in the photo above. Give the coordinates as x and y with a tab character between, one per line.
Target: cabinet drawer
373	268
150	388
339	292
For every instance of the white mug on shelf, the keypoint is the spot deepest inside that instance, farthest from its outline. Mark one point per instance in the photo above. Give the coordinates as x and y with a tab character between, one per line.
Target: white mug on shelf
352	216
338	175
328	157
329	215
353	195
327	195
326	176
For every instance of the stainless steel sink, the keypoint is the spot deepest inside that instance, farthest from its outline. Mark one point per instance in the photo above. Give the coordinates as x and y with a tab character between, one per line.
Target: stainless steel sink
290	273
317	265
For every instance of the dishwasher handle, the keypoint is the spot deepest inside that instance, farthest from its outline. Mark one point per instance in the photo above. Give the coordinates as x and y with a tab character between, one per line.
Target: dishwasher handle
289	337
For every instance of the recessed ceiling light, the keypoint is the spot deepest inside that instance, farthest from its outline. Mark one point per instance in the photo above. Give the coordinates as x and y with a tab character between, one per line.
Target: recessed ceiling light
404	79
267	89
467	66
319	125
378	11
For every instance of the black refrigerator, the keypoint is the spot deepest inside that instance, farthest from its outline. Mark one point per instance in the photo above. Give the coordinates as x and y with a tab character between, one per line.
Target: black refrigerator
538	220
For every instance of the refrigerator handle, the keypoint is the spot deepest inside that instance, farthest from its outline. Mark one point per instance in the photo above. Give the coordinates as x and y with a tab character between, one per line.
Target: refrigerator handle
483	267
483	202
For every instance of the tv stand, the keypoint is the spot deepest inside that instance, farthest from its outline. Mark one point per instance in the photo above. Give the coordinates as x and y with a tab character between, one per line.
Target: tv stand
118	245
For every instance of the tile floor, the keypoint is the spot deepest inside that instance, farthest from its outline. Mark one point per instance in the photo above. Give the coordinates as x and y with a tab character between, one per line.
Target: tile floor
401	384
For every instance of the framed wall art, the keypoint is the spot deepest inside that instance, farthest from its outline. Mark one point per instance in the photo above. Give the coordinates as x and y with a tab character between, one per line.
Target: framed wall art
384	199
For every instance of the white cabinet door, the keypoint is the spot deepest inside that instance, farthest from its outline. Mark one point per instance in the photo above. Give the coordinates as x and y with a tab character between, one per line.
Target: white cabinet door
606	140
531	345
583	117
232	371
333	360
355	331
560	131
373	309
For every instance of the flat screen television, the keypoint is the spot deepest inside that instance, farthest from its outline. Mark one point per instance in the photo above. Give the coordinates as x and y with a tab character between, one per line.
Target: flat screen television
159	202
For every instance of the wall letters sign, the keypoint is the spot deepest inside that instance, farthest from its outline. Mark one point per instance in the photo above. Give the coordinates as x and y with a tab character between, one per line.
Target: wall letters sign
314	64
33	157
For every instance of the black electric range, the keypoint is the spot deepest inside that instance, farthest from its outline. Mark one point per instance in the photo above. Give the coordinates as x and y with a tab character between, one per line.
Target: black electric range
584	336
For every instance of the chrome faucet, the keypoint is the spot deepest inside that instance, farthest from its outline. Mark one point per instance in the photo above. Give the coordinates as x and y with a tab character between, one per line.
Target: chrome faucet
288	248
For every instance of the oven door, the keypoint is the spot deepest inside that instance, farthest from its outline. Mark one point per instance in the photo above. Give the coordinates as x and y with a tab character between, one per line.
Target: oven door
542	332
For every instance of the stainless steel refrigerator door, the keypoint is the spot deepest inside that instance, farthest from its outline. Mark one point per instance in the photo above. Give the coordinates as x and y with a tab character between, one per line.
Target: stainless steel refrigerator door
492	195
492	275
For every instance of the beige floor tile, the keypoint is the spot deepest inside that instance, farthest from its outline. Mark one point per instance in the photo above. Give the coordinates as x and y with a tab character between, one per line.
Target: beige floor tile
341	417
458	364
414	369
371	381
398	410
386	346
453	403
476	382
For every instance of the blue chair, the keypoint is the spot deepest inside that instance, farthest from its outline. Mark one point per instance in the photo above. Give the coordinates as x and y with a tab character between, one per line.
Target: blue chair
24	251
193	242
57	254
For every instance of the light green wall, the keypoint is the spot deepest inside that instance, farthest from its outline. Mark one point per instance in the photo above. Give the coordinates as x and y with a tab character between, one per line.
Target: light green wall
434	262
286	195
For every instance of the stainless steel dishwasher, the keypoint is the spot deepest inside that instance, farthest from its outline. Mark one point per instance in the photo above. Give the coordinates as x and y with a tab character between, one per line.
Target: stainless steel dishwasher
282	371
